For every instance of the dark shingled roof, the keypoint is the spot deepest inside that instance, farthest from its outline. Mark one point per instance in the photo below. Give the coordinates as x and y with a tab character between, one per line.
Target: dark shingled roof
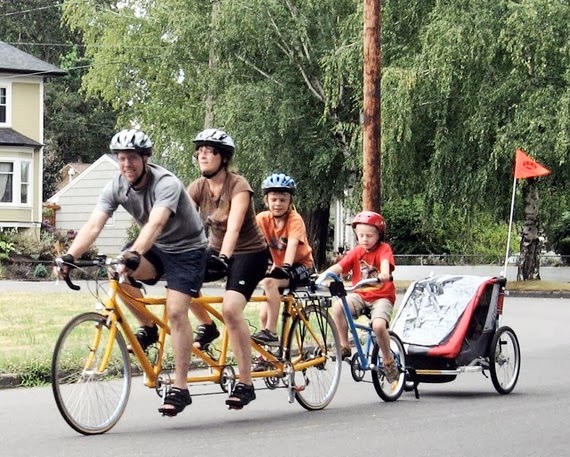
13	60
9	137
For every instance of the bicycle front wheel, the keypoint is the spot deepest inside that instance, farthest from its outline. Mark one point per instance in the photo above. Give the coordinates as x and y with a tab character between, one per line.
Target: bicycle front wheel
90	374
389	391
314	383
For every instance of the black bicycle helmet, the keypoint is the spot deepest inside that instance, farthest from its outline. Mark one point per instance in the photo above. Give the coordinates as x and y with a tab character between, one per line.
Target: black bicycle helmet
278	182
131	140
218	139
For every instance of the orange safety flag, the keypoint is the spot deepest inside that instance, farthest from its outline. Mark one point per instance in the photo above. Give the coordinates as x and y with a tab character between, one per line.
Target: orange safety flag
525	167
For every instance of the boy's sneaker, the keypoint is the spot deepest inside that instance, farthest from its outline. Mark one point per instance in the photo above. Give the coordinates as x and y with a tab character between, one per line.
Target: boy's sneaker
205	334
146	337
265	337
345	353
391	371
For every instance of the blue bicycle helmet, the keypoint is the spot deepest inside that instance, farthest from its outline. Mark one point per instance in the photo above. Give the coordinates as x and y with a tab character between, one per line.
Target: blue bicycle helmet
278	182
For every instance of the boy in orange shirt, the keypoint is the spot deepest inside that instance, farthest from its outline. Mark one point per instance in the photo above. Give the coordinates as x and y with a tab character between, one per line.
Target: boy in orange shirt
372	258
285	233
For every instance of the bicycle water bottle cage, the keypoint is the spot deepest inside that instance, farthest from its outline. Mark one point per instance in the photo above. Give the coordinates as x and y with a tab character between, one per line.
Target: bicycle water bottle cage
337	289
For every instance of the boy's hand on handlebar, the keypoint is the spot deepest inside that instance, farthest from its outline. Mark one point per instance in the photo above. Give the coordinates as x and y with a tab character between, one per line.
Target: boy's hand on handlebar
283	272
321	278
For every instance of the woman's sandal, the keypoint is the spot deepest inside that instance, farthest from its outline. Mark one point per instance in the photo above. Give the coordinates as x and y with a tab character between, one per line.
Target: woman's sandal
241	396
175	401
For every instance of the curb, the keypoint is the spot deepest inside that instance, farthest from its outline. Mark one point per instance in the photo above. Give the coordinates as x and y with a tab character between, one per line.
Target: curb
10	381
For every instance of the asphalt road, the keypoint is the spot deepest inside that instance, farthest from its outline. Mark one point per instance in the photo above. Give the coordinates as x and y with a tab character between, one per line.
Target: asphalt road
463	418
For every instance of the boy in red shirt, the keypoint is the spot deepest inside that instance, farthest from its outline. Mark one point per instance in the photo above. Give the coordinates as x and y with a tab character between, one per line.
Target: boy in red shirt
285	233
371	258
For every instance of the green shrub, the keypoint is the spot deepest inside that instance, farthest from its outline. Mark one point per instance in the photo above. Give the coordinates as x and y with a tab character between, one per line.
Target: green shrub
41	271
6	244
564	250
560	233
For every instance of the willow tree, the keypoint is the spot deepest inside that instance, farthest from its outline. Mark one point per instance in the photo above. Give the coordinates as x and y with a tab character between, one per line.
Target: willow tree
463	87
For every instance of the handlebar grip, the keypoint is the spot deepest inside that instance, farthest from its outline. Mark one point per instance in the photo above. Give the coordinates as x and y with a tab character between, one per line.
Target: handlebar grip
70	283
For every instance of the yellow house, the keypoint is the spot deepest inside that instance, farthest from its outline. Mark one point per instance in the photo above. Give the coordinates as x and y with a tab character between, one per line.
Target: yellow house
22	78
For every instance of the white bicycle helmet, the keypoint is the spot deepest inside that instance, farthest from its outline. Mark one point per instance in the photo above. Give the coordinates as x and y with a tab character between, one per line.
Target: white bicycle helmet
278	182
131	140
218	139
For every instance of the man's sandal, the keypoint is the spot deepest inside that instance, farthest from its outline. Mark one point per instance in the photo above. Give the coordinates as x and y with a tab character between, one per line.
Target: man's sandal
175	401
242	395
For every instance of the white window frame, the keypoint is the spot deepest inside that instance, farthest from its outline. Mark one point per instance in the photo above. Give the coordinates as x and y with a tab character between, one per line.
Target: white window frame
17	182
8	90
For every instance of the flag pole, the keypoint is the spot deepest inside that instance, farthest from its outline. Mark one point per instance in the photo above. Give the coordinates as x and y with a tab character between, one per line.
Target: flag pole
510	226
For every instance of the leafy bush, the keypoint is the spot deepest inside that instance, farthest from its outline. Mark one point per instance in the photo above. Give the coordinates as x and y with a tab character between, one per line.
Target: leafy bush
414	231
41	271
564	250
559	236
407	230
6	244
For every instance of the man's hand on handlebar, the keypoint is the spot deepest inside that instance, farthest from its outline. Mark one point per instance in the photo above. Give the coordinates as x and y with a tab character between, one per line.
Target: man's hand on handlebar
62	266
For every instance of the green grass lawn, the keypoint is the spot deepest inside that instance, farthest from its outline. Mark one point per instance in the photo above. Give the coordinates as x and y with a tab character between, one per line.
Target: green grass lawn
30	324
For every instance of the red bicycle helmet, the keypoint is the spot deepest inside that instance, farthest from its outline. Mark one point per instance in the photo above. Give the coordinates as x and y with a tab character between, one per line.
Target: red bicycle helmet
370	218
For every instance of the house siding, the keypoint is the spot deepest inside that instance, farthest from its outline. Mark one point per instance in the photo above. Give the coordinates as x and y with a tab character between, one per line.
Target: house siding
78	199
26	113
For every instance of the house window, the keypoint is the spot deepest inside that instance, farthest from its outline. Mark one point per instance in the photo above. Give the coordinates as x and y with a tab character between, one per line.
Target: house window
15	182
6	181
3	105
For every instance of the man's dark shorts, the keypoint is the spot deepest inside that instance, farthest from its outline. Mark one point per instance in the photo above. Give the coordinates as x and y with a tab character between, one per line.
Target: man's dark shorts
183	271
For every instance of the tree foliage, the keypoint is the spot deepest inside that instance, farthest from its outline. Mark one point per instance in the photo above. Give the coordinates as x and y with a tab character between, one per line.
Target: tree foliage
464	84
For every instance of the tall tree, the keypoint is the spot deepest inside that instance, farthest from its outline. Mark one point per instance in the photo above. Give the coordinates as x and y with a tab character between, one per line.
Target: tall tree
274	85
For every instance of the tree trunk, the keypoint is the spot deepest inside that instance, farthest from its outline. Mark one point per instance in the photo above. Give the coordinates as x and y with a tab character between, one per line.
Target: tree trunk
529	262
317	222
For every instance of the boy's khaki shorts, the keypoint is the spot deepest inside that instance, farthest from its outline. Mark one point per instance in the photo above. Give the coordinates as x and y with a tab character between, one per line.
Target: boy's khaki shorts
381	308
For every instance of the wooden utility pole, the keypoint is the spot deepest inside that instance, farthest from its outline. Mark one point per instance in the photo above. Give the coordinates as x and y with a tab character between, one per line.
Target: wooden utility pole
371	177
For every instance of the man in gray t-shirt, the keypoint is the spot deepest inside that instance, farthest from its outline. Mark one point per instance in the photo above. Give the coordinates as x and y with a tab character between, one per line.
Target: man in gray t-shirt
171	242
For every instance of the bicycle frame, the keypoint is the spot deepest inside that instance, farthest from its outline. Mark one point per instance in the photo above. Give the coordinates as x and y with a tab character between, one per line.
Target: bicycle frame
369	358
307	361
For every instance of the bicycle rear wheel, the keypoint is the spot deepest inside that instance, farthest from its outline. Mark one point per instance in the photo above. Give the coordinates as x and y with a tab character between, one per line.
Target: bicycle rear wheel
389	391
91	396
314	385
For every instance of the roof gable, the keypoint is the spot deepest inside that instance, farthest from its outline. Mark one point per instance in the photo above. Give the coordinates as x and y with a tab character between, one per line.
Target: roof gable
105	158
15	61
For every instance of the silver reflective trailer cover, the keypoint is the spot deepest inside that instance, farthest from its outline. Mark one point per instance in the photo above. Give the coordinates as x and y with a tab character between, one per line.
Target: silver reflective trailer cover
432	307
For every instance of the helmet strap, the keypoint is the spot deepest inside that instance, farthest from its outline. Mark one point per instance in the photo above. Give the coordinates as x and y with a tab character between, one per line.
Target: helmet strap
211	175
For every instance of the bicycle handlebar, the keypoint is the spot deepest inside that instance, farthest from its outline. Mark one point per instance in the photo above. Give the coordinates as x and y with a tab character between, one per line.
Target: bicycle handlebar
338	288
100	261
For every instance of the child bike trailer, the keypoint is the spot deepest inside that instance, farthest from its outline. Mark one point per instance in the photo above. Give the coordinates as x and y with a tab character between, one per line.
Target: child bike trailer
450	324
